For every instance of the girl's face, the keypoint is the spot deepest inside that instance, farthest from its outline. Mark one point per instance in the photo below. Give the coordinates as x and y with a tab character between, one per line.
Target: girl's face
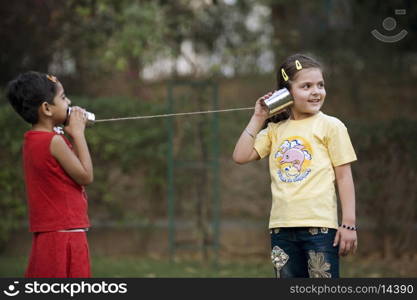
307	89
60	106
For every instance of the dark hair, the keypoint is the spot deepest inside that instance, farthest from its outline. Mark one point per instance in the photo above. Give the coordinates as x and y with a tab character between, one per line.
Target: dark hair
28	91
290	69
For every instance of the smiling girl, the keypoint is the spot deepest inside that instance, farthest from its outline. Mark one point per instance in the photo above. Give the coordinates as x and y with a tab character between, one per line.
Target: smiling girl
309	155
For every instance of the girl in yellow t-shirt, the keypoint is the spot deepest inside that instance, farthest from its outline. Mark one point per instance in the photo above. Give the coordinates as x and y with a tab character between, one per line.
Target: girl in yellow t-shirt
309	152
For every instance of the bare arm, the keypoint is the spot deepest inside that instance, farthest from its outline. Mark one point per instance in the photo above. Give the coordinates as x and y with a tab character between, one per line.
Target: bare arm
244	151
347	238
78	165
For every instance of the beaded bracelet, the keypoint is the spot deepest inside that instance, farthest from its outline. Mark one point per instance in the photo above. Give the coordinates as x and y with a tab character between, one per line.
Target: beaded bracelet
348	227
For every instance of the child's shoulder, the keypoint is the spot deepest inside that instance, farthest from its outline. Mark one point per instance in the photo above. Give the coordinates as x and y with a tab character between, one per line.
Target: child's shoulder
271	128
36	135
43	137
275	125
330	120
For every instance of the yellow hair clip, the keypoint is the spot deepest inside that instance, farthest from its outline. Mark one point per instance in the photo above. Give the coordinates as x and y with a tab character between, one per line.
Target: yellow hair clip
298	65
284	75
51	78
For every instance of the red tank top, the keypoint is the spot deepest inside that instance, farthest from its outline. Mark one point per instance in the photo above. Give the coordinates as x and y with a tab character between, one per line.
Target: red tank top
55	200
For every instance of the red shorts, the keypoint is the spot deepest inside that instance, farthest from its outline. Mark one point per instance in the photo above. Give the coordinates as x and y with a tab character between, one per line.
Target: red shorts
59	255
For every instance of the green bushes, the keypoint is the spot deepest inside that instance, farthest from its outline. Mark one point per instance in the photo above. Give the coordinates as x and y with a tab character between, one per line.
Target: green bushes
12	192
130	163
129	159
385	177
125	155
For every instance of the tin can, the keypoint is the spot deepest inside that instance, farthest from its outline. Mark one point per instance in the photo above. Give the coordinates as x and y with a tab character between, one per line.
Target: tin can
90	116
279	100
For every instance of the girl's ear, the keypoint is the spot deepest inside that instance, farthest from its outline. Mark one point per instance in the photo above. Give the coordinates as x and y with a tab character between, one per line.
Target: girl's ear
45	108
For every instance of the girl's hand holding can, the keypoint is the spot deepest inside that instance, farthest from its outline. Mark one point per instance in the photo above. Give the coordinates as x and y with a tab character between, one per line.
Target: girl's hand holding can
261	111
77	120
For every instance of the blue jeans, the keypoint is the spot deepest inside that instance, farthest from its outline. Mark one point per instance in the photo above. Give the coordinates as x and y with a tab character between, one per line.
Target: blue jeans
304	252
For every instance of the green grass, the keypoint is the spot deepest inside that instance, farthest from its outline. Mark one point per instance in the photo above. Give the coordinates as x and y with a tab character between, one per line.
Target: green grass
133	267
148	268
144	268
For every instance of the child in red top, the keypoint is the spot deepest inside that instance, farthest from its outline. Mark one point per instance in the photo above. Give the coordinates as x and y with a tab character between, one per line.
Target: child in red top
55	175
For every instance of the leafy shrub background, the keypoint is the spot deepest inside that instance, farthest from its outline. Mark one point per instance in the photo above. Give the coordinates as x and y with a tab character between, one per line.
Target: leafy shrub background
130	166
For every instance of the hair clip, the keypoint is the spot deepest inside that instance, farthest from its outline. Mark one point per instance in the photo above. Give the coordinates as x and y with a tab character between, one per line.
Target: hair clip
284	75
51	78
298	65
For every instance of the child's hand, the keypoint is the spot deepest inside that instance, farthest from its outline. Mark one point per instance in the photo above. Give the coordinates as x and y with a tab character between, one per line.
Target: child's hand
261	110
347	240
77	121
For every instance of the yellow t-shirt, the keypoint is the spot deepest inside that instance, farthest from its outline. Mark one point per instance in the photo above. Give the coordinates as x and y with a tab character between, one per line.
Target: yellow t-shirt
302	155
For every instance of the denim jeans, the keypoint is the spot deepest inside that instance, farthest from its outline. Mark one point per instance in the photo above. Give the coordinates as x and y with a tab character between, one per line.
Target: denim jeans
304	252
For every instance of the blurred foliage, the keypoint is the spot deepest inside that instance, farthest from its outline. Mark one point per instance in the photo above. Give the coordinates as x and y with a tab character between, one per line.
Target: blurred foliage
12	200
122	163
130	162
384	180
103	46
85	40
140	35
90	39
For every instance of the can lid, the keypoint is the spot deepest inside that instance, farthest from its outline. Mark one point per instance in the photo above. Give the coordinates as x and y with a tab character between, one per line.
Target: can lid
91	116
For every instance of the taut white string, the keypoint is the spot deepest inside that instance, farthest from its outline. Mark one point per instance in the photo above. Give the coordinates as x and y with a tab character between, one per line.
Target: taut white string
173	115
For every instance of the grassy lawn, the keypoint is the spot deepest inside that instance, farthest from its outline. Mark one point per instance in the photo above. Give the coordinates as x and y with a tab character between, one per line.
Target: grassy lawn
142	267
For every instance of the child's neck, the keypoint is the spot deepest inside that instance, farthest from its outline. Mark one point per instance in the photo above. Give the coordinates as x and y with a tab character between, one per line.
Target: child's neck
43	125
300	116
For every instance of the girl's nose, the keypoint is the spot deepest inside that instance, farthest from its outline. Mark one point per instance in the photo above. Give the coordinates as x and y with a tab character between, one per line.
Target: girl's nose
315	91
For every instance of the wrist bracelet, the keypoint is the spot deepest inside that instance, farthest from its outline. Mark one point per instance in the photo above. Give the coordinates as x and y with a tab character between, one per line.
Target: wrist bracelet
247	131
353	228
